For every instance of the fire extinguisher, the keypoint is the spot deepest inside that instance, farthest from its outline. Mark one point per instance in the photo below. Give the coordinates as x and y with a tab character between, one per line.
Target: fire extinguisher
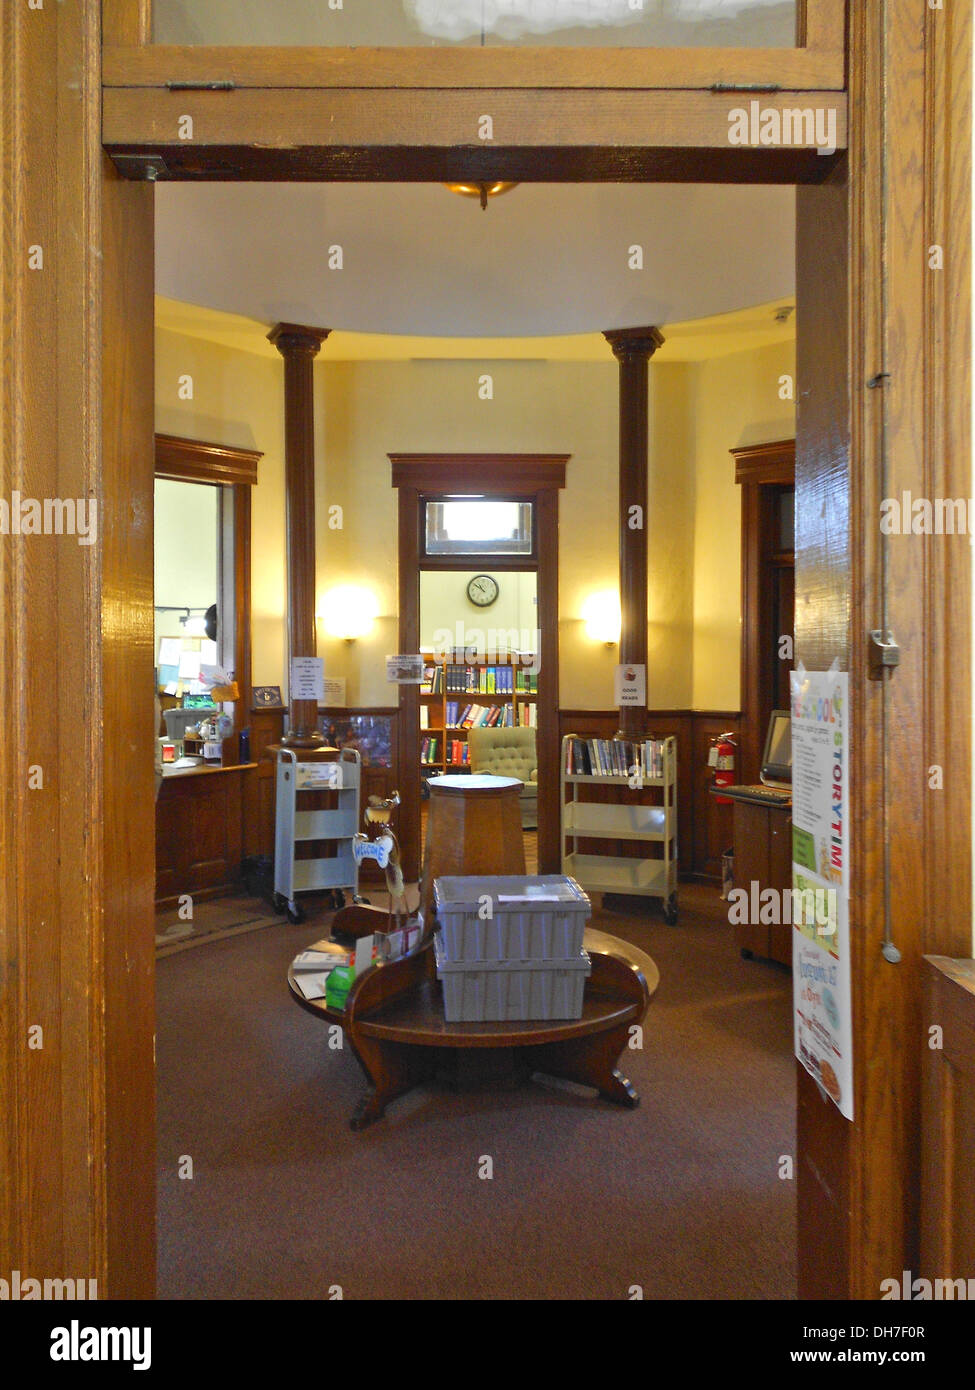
722	759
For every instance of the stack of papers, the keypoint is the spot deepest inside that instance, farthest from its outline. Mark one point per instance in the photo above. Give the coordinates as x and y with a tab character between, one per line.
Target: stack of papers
311	968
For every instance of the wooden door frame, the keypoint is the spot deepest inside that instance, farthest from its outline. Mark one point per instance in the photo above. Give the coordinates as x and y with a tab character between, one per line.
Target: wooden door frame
235	470
77	1185
534	478
757	468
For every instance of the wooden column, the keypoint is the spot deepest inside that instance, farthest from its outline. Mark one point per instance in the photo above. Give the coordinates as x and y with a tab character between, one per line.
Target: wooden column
633	348
299	347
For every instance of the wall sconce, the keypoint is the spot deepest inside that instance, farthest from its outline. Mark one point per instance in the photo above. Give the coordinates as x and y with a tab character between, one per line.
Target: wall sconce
348	612
602	616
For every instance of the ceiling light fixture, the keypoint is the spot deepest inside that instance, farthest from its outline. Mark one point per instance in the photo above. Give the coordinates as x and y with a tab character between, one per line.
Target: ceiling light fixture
484	191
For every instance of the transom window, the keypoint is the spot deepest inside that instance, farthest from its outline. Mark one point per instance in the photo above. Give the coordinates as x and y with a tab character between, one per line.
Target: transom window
477	526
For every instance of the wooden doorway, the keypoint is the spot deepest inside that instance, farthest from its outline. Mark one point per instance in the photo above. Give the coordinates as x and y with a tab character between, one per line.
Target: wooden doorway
534	478
766	474
875	322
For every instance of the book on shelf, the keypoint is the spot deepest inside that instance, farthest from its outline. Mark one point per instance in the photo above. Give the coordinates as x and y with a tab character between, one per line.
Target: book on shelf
614	757
458	754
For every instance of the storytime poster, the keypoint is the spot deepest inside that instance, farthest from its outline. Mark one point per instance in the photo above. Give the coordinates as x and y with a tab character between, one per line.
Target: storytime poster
821	880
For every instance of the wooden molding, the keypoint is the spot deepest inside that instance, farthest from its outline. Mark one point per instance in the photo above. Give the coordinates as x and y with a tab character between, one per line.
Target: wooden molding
489	474
126	22
821	25
196	461
396	133
817	65
766	463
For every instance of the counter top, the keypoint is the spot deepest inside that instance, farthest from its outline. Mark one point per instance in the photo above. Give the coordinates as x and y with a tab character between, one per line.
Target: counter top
202	770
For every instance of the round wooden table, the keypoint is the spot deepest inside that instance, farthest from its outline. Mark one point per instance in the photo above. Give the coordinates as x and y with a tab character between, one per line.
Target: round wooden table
394	1022
473	827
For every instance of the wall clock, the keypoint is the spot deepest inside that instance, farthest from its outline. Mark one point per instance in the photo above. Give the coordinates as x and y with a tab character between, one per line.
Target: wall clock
483	590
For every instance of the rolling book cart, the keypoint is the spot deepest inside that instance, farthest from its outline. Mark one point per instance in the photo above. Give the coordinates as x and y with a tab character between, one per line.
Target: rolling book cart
332	826
628	815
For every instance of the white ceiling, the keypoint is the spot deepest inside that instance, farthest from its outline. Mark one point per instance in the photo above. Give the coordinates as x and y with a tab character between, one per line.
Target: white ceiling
543	259
634	23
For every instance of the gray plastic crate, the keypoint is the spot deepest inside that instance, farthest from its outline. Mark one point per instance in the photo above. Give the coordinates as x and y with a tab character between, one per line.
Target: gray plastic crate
506	991
531	919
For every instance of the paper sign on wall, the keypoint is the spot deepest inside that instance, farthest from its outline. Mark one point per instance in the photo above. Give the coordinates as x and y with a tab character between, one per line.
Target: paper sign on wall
821	881
631	685
405	669
307	678
334	693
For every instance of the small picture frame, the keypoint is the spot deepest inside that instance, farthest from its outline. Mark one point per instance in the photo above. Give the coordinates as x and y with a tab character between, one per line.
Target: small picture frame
267	697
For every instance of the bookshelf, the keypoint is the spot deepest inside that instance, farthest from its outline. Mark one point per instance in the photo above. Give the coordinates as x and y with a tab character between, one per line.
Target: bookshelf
457	695
618	793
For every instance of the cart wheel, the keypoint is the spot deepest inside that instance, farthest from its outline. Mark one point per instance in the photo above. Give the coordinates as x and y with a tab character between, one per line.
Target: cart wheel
295	913
670	910
279	903
338	898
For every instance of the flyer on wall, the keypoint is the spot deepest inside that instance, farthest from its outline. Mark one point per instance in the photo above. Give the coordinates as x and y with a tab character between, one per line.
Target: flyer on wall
821	881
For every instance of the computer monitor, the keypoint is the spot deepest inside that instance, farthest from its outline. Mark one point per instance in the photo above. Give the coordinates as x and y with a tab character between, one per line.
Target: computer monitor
777	757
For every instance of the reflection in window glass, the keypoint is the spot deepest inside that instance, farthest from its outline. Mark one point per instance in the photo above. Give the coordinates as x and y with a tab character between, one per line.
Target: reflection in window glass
470	526
473	23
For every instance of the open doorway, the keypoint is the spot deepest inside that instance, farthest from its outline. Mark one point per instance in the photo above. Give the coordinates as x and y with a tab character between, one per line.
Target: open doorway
867	1167
479	636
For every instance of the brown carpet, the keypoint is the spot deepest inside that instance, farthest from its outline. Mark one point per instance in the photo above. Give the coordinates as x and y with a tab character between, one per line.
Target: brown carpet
681	1196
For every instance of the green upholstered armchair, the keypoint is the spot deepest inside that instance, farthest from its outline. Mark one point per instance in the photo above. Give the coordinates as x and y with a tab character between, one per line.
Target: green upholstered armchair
509	753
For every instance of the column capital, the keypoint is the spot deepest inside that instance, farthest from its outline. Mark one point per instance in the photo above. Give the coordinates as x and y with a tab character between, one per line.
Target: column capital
294	339
631	343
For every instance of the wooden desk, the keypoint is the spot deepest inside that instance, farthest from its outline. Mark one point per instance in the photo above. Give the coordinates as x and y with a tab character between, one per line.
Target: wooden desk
763	855
394	1022
201	830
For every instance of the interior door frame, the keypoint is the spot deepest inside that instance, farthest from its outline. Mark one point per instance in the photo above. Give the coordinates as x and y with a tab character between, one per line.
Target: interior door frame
77	1185
535	478
760	469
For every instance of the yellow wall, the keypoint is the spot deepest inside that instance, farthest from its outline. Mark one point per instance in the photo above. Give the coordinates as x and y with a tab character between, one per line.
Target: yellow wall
508	624
370	409
365	410
238	400
736	403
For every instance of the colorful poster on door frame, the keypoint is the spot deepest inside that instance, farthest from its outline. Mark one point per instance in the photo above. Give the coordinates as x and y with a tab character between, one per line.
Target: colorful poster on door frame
821	881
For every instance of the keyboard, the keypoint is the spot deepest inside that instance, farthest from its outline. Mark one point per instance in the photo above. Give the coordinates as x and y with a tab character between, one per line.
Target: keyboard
768	796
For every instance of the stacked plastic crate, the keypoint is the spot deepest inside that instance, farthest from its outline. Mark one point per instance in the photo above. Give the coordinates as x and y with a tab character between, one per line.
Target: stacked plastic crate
510	948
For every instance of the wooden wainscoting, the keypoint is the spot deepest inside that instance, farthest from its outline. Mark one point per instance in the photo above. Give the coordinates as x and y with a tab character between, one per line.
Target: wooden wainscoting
267	727
704	827
948	1120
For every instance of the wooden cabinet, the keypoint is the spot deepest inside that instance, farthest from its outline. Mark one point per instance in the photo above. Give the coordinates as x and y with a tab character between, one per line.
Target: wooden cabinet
200	832
763	855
